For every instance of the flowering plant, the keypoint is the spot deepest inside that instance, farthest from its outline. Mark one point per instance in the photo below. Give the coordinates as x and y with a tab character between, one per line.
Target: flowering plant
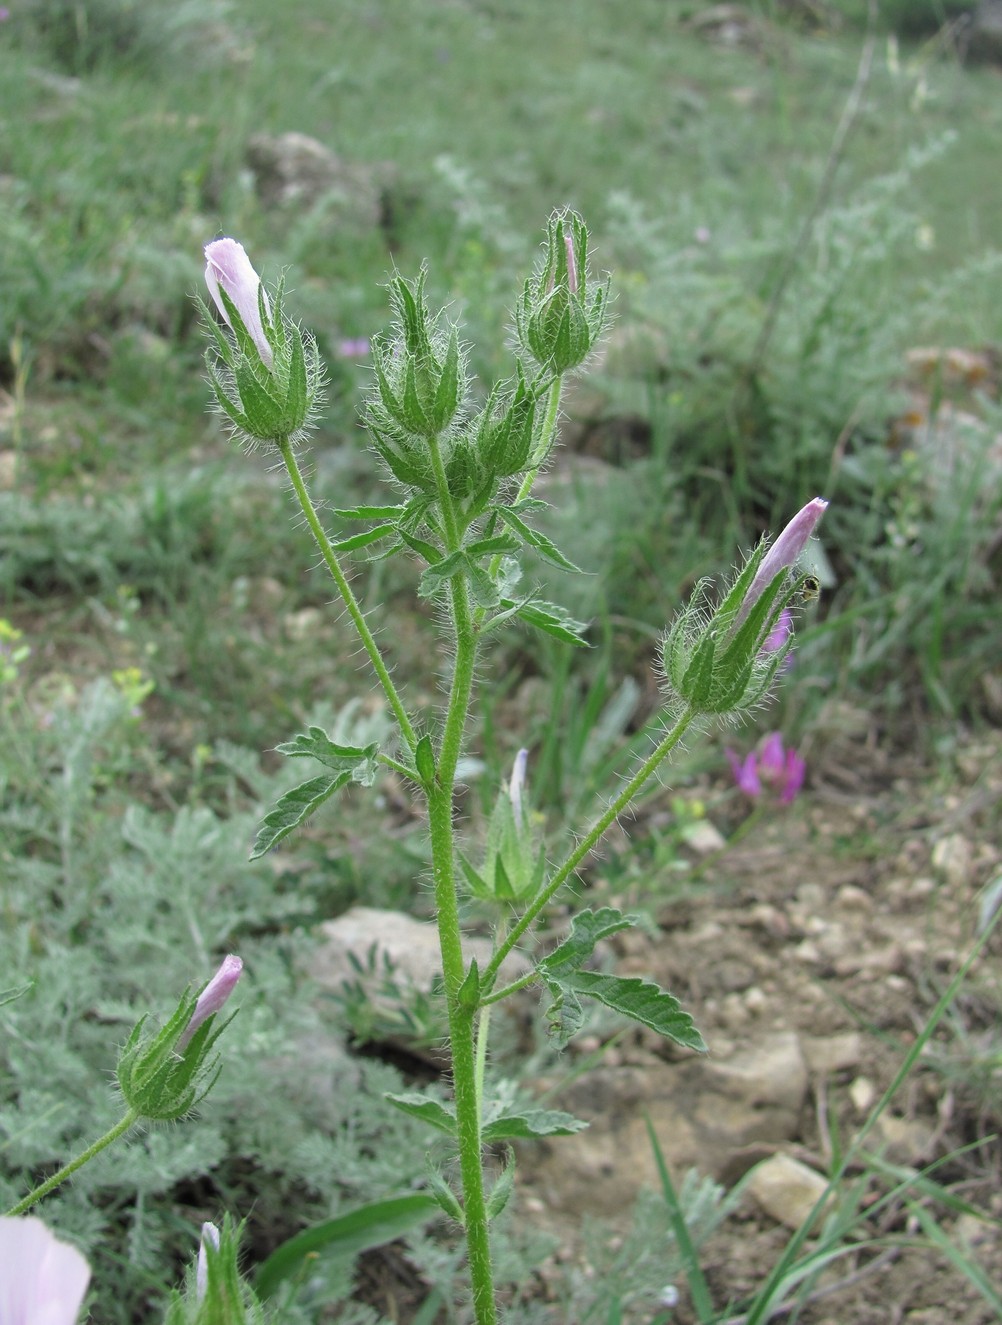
462	470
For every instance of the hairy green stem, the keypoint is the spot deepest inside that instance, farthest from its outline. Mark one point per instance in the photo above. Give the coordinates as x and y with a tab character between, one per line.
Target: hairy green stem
50	1184
587	843
441	798
345	590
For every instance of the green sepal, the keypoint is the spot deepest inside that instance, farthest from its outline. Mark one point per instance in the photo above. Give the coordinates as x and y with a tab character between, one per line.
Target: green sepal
424	761
698	682
468	996
447	395
477	885
297	400
426	1109
500	1193
503	890
265	414
445	1196
526	1124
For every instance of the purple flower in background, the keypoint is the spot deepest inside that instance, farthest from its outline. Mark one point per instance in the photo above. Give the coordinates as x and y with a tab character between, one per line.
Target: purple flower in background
210	1237
356	348
770	766
42	1280
228	267
781	769
4	13
212	998
780	632
745	773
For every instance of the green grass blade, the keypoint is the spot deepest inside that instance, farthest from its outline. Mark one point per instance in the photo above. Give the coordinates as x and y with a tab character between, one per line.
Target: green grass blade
346	1236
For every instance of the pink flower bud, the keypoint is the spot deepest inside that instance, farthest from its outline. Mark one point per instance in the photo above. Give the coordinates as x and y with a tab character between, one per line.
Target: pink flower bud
41	1278
572	269
210	1237
784	552
228	267
212	998
516	785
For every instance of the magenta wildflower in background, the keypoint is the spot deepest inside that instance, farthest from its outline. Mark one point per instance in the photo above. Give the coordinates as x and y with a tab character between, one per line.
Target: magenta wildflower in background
228	267
42	1280
770	766
212	998
353	347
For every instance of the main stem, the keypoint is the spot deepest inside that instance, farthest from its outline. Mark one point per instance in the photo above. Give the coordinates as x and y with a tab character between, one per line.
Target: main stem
461	1019
50	1184
345	590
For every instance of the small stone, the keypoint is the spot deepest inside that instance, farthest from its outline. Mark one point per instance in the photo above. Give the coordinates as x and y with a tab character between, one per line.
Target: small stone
862	1092
906	1140
852	898
952	857
826	1054
704	838
786	1189
755	999
878	961
299	626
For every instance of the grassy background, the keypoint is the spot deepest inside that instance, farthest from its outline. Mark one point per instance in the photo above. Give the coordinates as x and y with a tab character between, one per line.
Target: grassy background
131	536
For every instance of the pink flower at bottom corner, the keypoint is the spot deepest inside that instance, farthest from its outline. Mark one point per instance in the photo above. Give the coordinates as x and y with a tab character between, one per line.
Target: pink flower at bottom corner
42	1280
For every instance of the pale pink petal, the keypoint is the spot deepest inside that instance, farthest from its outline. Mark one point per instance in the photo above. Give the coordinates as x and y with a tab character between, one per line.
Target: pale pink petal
227	266
42	1280
212	997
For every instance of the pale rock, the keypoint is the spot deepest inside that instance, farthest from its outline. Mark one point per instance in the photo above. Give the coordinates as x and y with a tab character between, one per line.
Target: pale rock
852	898
704	838
826	1054
299	626
862	1093
953	859
786	1189
876	962
756	1000
703	1110
294	170
904	1140
411	946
